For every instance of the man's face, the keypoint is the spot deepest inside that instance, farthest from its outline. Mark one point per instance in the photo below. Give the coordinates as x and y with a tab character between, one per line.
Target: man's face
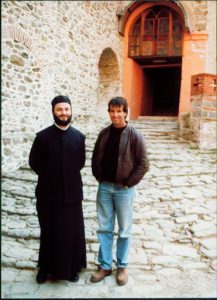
117	116
62	114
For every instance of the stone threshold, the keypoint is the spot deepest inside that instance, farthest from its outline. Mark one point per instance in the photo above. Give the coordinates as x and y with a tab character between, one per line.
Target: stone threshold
158	118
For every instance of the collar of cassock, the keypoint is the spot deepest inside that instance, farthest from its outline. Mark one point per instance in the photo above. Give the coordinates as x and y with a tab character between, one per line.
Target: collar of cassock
62	128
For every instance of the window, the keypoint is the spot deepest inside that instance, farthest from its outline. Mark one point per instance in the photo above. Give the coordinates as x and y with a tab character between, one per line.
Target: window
156	32
135	39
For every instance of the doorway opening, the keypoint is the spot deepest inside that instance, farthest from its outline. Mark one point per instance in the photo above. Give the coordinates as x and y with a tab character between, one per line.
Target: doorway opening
161	91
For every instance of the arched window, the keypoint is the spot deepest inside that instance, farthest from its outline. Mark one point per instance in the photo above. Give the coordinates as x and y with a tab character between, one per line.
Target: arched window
156	32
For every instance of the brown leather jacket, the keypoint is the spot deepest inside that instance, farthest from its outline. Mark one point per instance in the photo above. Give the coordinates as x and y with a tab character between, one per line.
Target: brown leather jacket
132	162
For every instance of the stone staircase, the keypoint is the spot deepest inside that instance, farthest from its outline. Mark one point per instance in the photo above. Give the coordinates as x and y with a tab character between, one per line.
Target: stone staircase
174	212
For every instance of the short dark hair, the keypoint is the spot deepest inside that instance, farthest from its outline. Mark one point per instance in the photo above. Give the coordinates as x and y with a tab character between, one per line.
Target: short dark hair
118	101
60	99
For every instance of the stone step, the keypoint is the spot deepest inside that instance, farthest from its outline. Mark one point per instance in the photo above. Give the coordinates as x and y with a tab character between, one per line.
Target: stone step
158	118
175	204
155	126
20	189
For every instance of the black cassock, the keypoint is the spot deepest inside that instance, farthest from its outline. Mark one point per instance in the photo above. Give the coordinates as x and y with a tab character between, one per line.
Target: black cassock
57	156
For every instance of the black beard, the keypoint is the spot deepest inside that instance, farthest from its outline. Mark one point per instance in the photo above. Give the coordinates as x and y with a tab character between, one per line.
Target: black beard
62	122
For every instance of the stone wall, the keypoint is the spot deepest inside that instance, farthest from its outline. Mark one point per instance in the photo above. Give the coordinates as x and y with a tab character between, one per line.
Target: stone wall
203	110
23	93
200	124
49	48
210	66
200	9
65	47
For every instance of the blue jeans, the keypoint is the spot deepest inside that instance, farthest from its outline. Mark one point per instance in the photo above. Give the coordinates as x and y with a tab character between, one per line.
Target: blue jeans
113	200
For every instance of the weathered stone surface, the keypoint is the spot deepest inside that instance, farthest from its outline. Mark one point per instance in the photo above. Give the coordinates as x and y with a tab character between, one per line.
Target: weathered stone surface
24	288
209	243
166	233
26	264
152	245
94	247
204	229
156	225
187	219
20	254
15	59
210	253
166	260
19	224
192	266
138	259
181	250
10	274
168	272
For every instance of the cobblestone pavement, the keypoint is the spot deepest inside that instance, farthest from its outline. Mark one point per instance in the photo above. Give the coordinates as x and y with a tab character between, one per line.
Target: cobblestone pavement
173	251
166	282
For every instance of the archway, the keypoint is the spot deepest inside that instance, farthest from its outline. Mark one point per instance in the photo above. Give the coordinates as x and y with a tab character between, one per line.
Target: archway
154	35
155	45
109	81
151	50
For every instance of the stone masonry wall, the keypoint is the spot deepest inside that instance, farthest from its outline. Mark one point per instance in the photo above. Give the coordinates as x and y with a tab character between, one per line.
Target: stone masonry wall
210	66
200	9
203	113
49	48
200	124
64	47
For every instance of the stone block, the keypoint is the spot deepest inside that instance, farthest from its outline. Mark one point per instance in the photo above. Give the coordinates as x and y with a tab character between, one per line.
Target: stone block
9	274
19	253
19	224
212	115
139	259
8	261
209	244
26	264
205	114
204	229
94	247
186	219
210	253
24	288
193	266
152	245
168	272
166	260
180	250
17	60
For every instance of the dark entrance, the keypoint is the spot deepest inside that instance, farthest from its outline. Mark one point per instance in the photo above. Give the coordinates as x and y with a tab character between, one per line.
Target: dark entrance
161	91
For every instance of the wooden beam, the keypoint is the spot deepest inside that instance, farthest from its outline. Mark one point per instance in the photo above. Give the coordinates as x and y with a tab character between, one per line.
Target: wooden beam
160	66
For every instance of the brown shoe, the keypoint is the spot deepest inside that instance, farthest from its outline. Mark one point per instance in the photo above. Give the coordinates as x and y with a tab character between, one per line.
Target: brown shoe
122	276
100	275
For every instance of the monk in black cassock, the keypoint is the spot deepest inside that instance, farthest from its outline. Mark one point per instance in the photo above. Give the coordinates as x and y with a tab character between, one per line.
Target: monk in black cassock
57	156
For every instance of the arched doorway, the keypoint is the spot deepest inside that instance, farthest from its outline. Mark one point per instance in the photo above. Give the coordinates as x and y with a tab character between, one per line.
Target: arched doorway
155	45
109	81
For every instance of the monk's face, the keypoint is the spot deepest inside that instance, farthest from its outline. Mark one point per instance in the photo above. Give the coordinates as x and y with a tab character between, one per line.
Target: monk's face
62	113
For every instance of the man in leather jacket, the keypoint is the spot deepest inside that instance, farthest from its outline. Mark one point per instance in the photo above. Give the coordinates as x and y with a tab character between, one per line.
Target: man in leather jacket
119	162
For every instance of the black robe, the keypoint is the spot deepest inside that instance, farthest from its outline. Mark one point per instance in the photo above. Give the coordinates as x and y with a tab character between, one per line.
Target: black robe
57	156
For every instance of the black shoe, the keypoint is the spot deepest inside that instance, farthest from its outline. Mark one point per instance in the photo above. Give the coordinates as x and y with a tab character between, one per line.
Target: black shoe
41	277
74	278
